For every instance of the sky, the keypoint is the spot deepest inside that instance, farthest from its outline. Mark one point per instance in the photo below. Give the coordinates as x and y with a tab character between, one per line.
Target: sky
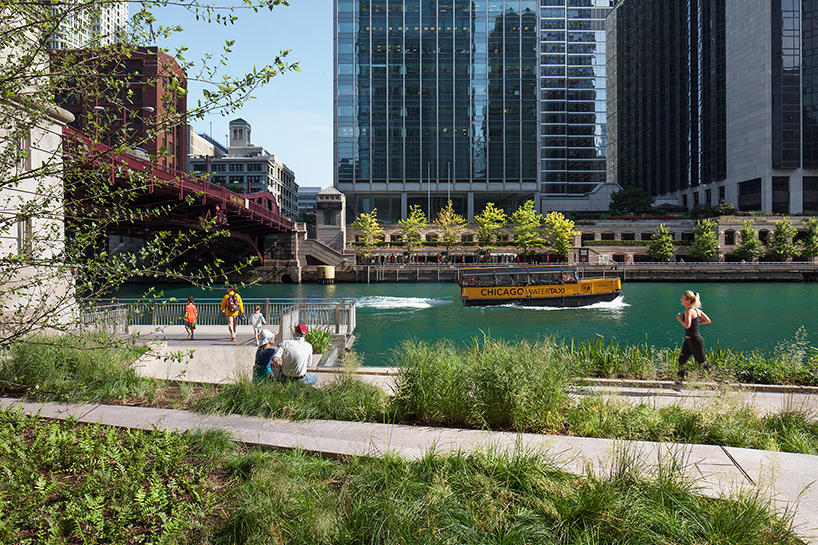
291	117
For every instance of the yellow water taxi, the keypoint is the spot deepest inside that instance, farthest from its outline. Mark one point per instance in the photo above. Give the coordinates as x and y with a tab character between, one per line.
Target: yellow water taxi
538	286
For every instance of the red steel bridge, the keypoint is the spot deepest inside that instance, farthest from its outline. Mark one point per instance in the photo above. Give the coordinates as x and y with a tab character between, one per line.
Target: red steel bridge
174	200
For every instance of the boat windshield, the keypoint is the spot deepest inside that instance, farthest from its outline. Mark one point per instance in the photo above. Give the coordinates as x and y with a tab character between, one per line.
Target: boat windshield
518	276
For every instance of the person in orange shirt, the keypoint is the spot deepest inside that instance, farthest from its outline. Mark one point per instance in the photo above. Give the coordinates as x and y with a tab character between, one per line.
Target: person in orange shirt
191	313
232	307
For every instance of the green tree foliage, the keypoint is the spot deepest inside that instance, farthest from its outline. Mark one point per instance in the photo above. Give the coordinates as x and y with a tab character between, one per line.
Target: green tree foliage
631	199
810	242
489	222
705	241
450	224
750	247
724	208
781	246
66	195
661	246
368	231
527	225
560	233
412	226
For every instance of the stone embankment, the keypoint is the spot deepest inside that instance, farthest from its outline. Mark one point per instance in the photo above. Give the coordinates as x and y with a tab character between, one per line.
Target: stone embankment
635	272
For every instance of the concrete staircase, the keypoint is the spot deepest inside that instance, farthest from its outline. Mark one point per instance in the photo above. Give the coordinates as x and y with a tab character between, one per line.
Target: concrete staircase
312	252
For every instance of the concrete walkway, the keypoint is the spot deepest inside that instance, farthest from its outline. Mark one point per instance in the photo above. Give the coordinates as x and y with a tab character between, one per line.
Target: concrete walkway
791	480
788	479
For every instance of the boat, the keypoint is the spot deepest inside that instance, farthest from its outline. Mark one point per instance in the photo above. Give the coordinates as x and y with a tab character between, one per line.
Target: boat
539	286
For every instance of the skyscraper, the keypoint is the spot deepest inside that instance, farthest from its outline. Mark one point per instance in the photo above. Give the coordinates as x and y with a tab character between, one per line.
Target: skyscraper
703	109
435	100
77	28
572	105
475	101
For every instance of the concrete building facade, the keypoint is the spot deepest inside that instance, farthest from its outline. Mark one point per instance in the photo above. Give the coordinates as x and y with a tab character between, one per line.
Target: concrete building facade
715	99
79	28
247	168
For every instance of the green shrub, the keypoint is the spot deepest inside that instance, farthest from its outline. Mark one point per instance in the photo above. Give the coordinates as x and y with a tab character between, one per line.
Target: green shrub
74	366
490	384
320	338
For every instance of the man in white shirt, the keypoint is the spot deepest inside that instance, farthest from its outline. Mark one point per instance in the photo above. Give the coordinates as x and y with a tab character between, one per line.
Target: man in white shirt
293	357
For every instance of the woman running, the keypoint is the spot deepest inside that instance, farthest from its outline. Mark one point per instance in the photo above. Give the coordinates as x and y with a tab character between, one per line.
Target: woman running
691	319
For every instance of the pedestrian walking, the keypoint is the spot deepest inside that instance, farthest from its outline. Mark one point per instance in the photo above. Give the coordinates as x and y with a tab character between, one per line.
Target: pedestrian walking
692	317
257	320
191	313
232	307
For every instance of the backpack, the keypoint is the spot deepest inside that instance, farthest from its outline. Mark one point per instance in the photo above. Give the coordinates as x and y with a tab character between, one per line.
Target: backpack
233	303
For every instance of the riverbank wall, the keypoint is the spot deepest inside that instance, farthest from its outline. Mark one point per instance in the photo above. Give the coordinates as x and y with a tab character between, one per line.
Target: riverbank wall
637	272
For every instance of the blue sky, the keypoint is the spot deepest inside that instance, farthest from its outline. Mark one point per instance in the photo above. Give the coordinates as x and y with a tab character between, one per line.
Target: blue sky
292	116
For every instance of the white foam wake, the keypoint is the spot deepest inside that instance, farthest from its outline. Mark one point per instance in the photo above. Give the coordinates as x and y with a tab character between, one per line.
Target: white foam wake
384	302
617	304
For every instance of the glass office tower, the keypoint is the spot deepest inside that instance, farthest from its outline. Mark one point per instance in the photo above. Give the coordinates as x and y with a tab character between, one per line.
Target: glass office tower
435	100
573	94
475	101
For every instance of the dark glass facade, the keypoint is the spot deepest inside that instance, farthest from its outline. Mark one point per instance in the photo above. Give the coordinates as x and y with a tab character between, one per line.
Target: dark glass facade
435	100
670	80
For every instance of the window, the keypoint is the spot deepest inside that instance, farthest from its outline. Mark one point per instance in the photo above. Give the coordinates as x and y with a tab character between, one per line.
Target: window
729	238
236	167
24	234
217	167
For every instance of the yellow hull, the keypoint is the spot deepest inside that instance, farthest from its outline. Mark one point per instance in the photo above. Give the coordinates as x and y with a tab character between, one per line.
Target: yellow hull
572	294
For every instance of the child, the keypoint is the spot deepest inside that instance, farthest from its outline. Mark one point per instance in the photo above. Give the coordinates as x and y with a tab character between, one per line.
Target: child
190	318
257	320
264	356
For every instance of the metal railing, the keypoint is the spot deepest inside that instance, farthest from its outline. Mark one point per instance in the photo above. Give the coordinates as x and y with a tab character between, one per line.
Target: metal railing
110	318
337	314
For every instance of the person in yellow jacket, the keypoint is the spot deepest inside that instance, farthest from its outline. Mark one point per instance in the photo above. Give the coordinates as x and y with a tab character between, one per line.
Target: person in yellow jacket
232	307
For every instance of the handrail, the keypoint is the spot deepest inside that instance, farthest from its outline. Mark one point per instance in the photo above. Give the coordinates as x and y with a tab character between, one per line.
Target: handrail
333	313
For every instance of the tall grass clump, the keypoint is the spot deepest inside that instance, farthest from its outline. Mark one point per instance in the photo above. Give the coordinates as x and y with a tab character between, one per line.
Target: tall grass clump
346	399
601	357
489	384
320	338
73	367
793	361
481	497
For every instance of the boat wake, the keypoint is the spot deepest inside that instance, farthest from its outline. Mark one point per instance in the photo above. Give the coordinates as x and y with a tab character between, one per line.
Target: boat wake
617	304
382	302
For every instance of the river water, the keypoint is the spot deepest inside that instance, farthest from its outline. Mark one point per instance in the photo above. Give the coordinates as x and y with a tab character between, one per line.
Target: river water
746	316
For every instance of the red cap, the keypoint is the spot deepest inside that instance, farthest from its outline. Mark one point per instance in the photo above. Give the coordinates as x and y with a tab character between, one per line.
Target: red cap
301	330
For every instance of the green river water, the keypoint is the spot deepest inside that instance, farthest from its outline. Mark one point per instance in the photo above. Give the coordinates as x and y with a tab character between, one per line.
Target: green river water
746	316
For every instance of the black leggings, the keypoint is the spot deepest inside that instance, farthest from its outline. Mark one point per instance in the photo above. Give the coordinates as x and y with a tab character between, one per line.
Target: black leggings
693	346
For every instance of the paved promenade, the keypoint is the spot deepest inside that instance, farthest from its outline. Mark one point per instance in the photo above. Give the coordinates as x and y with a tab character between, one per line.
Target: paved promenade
791	480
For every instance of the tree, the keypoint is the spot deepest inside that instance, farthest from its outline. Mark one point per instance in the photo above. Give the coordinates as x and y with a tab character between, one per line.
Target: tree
810	243
560	233
58	196
724	208
750	247
368	232
781	245
489	222
631	199
450	224
705	242
412	226
527	225
661	246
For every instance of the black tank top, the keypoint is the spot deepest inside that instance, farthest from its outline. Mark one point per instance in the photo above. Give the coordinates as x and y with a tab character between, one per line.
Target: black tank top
693	330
